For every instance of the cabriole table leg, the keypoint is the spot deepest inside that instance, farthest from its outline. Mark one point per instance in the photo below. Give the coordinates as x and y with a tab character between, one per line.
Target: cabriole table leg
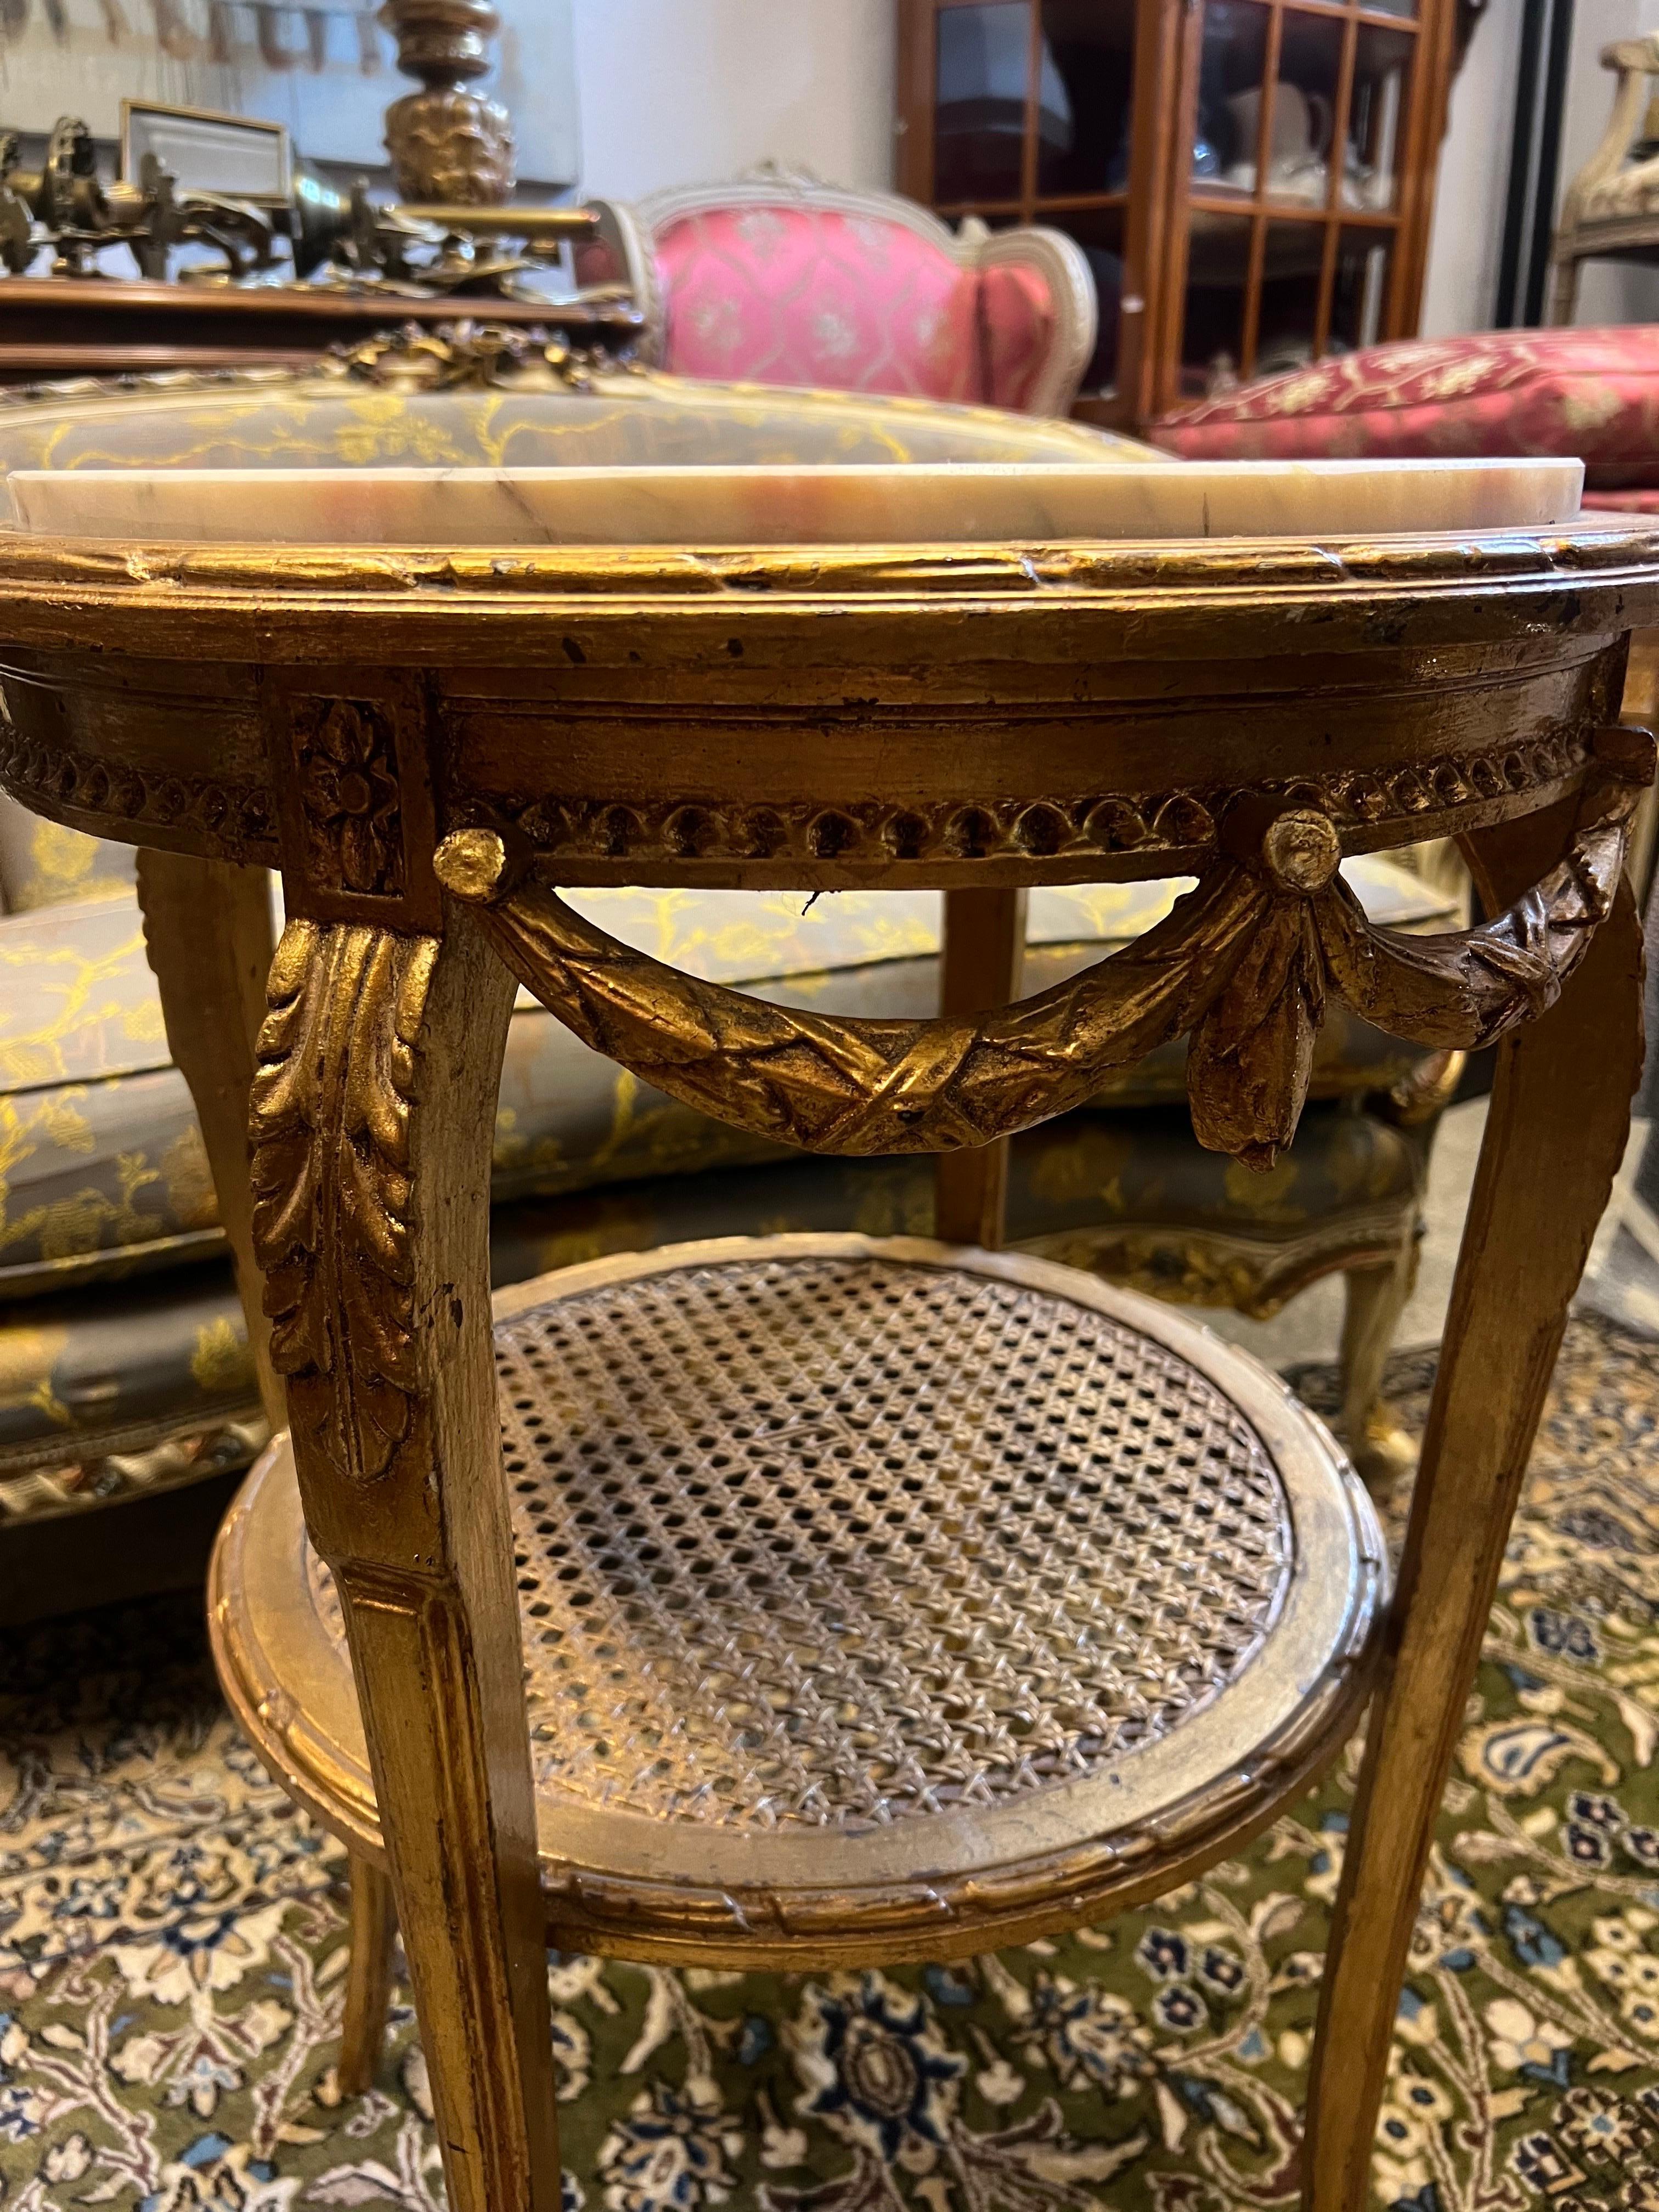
1556	1133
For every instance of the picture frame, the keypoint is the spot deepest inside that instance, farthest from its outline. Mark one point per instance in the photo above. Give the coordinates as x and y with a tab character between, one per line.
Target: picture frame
236	156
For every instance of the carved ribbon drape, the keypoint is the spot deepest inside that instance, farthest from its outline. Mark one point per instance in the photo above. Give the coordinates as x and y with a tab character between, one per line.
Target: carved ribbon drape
1243	964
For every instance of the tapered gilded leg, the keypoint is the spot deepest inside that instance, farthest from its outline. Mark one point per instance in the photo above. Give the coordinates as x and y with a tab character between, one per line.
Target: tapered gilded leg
368	1977
207	928
1375	1298
373	1114
1555	1133
983	954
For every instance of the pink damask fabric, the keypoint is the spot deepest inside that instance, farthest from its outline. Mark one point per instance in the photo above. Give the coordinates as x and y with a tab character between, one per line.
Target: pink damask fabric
1018	329
803	295
1590	392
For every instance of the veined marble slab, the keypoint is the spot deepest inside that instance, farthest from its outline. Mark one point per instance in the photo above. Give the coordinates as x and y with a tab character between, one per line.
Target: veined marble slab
826	504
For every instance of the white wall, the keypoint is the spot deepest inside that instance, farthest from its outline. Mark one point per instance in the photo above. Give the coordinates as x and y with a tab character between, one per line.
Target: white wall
1467	232
678	92
69	59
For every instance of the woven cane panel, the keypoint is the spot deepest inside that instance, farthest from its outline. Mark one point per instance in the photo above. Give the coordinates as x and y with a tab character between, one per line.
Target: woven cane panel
830	1541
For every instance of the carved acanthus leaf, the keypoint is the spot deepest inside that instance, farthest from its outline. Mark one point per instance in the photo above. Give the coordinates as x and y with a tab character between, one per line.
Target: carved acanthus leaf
331	1106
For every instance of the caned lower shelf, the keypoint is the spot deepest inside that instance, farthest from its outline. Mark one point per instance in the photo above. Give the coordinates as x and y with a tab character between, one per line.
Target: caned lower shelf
879	1599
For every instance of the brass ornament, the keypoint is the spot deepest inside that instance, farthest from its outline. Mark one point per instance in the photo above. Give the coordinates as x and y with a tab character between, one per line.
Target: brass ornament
468	355
330	1112
447	142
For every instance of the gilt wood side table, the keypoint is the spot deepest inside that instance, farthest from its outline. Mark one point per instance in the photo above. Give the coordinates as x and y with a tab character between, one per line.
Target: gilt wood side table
427	742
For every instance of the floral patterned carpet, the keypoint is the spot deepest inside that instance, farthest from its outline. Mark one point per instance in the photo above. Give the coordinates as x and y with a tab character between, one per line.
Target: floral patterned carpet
172	1958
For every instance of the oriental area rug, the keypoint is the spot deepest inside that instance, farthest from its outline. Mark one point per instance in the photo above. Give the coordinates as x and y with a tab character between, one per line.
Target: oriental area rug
173	1955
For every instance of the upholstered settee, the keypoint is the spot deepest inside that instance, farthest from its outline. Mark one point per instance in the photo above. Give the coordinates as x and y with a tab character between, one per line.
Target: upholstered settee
125	1383
777	278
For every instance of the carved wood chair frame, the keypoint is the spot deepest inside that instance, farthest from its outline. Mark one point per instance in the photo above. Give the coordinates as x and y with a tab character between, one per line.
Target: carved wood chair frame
499	725
1611	208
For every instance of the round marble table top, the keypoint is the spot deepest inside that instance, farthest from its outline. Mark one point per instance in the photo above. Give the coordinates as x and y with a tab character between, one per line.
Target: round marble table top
667	632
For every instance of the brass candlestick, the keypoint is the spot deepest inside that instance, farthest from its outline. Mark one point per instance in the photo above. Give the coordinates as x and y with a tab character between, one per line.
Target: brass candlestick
447	142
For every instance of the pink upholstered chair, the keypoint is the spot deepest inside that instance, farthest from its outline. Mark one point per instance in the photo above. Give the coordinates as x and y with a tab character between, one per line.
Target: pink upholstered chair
779	279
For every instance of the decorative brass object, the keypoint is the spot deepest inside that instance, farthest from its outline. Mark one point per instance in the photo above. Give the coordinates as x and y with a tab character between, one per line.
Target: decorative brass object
447	142
432	250
444	247
476	357
65	205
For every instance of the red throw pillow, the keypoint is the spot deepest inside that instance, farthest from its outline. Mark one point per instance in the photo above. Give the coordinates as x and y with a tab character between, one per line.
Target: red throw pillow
1605	502
1594	393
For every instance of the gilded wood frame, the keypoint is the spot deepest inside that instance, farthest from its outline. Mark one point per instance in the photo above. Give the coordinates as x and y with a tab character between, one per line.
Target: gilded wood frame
979	719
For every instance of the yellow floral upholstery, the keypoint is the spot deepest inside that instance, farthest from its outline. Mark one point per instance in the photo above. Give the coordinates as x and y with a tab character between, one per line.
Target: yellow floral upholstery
104	1392
42	864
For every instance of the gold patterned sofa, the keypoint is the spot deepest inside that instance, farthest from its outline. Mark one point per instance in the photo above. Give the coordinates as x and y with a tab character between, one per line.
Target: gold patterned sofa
124	1382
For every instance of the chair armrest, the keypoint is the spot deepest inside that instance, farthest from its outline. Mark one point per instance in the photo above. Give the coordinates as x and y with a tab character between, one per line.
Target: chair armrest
1057	264
1635	60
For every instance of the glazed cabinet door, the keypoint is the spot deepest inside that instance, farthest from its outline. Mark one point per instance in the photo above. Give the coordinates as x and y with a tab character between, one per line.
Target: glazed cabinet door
1300	184
1047	112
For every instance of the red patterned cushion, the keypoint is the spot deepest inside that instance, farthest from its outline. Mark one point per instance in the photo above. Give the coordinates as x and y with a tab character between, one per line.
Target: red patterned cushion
1591	392
1623	502
803	295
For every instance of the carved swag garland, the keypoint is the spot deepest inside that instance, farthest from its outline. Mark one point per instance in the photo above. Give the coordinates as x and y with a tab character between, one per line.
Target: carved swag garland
1241	965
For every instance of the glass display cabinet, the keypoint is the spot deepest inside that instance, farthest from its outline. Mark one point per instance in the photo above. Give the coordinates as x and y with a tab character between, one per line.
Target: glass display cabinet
1250	180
